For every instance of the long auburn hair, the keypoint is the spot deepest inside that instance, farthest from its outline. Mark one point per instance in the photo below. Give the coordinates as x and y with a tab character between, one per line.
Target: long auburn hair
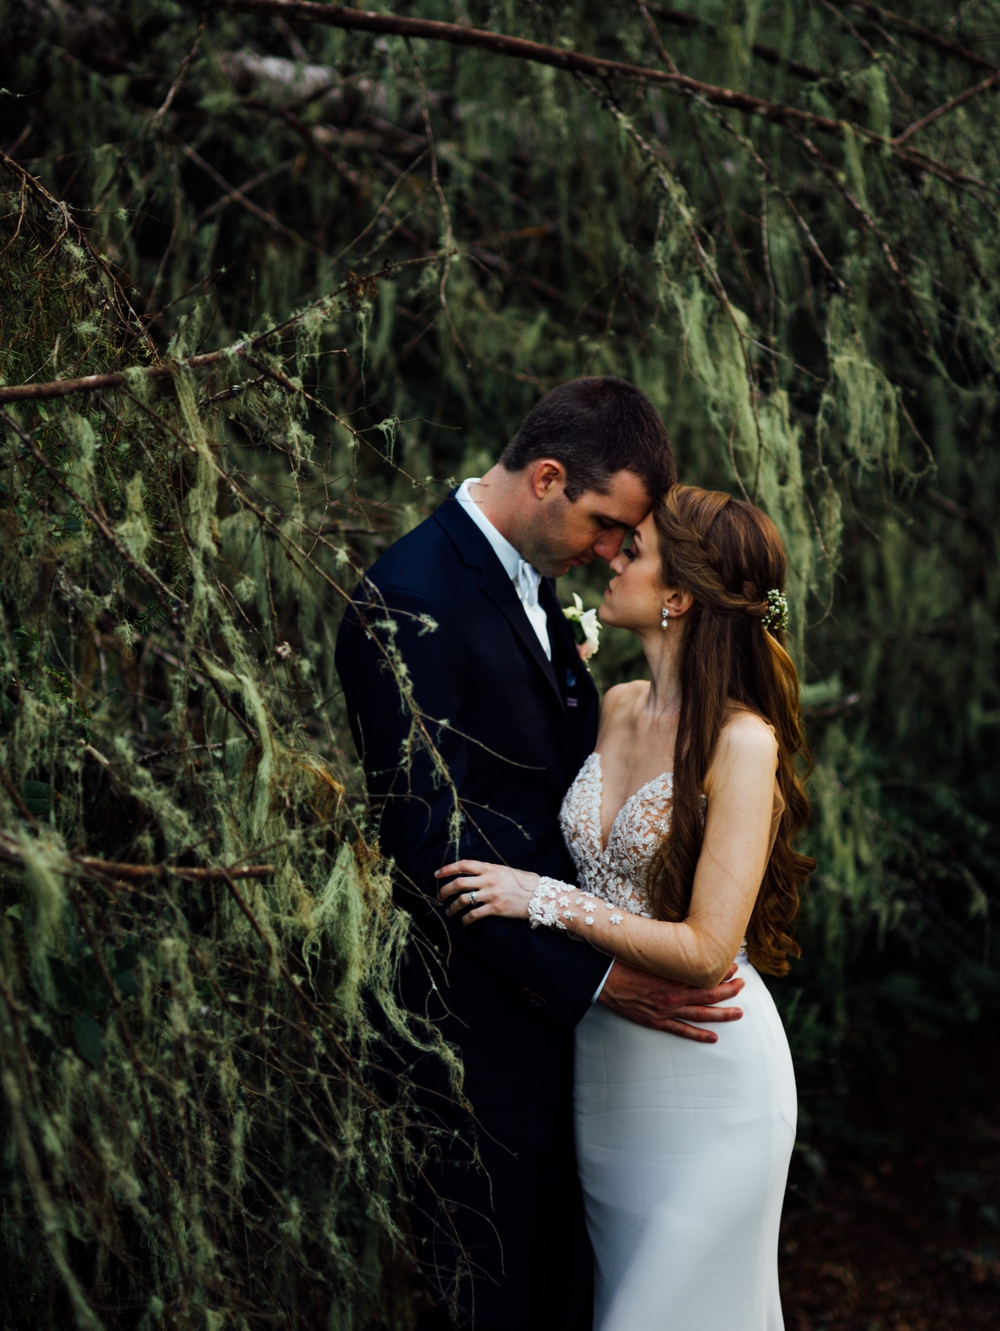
728	555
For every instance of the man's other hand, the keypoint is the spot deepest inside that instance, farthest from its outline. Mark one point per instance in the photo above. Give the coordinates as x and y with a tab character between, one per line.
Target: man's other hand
665	1005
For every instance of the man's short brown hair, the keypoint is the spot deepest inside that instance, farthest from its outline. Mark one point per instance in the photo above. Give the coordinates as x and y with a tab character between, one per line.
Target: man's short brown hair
596	427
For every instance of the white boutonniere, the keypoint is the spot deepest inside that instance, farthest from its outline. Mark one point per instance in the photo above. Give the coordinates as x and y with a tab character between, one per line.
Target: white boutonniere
588	628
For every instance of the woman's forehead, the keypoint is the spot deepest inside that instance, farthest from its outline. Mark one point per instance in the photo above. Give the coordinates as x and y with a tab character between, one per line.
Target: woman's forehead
646	530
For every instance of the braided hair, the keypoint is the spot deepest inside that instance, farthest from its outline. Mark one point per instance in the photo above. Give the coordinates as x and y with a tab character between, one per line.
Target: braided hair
728	555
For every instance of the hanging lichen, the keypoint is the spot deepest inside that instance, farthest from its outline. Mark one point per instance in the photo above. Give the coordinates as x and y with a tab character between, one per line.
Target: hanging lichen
319	275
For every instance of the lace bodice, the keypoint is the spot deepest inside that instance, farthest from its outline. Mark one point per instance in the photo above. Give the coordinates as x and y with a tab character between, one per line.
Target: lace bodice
615	873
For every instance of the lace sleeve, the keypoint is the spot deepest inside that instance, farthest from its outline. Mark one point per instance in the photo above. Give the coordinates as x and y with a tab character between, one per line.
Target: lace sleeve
553	901
543	908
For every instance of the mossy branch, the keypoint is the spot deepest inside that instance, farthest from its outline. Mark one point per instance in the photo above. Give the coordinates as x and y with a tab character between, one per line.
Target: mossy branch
577	62
108	871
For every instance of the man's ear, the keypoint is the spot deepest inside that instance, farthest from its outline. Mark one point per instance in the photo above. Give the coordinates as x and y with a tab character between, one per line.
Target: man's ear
547	478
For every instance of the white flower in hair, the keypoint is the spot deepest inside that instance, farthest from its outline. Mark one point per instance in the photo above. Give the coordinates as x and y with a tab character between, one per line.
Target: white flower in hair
588	625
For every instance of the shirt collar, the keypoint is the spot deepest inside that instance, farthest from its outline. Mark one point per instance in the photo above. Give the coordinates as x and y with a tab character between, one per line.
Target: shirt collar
502	548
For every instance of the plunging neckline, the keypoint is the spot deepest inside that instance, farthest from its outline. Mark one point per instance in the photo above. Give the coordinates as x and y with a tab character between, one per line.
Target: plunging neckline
601	845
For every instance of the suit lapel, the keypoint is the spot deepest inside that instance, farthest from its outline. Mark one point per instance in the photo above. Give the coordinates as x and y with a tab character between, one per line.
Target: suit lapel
560	633
493	581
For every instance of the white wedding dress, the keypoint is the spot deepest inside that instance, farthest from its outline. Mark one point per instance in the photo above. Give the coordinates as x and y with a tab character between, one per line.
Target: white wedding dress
683	1148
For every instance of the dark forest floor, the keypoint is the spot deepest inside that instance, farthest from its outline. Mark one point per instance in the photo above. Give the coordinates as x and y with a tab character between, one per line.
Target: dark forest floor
903	1232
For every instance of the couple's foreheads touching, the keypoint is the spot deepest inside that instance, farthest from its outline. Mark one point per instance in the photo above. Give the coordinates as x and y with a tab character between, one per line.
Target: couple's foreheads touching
581	472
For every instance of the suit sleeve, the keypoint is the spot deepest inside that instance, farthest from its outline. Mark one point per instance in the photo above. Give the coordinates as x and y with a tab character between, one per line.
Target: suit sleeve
386	647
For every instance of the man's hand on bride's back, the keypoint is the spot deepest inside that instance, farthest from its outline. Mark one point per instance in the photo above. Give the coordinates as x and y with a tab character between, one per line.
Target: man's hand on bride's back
480	889
489	889
665	1005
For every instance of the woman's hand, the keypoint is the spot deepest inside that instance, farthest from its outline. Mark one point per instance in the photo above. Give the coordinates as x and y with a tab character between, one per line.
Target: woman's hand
490	889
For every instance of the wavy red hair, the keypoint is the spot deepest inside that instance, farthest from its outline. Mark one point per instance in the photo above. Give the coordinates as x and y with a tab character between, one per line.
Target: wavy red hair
728	555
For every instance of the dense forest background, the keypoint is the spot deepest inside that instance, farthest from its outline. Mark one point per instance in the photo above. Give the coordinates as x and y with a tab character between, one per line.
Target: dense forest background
274	275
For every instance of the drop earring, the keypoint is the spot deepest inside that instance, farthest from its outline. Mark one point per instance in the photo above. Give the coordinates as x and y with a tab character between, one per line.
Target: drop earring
665	615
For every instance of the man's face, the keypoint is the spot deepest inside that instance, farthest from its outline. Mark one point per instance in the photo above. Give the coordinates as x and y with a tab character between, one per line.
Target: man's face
560	535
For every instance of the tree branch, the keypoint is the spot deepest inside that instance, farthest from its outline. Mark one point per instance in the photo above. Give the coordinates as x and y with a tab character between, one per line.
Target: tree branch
35	187
926	35
233	192
683	19
115	379
82	866
172	603
575	62
339	16
947	107
831	174
236	191
175	86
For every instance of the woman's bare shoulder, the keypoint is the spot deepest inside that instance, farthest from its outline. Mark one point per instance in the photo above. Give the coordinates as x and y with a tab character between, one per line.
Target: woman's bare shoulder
746	738
622	696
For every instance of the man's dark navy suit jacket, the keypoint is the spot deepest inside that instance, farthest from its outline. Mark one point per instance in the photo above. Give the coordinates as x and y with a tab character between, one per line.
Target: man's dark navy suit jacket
513	730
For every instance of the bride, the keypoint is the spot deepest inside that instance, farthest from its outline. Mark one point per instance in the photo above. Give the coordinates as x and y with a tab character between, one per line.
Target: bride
681	826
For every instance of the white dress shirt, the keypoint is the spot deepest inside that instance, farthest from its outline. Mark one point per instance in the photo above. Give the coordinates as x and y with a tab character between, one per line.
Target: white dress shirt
526	580
524	576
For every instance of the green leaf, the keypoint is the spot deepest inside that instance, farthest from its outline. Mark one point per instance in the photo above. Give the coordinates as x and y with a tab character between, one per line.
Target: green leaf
13	912
125	983
71	994
88	1039
123	965
37	796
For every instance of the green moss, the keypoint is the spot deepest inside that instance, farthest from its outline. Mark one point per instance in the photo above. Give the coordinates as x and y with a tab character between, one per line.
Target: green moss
201	1142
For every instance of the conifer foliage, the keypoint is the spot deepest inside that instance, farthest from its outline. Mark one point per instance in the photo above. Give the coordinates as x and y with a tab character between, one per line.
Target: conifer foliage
272	275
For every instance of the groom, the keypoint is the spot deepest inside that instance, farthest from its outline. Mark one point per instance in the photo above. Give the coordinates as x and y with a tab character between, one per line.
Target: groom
458	626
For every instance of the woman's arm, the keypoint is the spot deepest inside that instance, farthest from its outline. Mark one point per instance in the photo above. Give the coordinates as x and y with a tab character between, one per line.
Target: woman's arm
699	950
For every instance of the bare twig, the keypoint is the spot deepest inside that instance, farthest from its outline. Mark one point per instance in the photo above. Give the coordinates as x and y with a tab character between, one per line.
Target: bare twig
947	107
235	193
115	869
790	205
35	187
668	60
832	175
259	179
922	34
168	101
684	19
308	133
